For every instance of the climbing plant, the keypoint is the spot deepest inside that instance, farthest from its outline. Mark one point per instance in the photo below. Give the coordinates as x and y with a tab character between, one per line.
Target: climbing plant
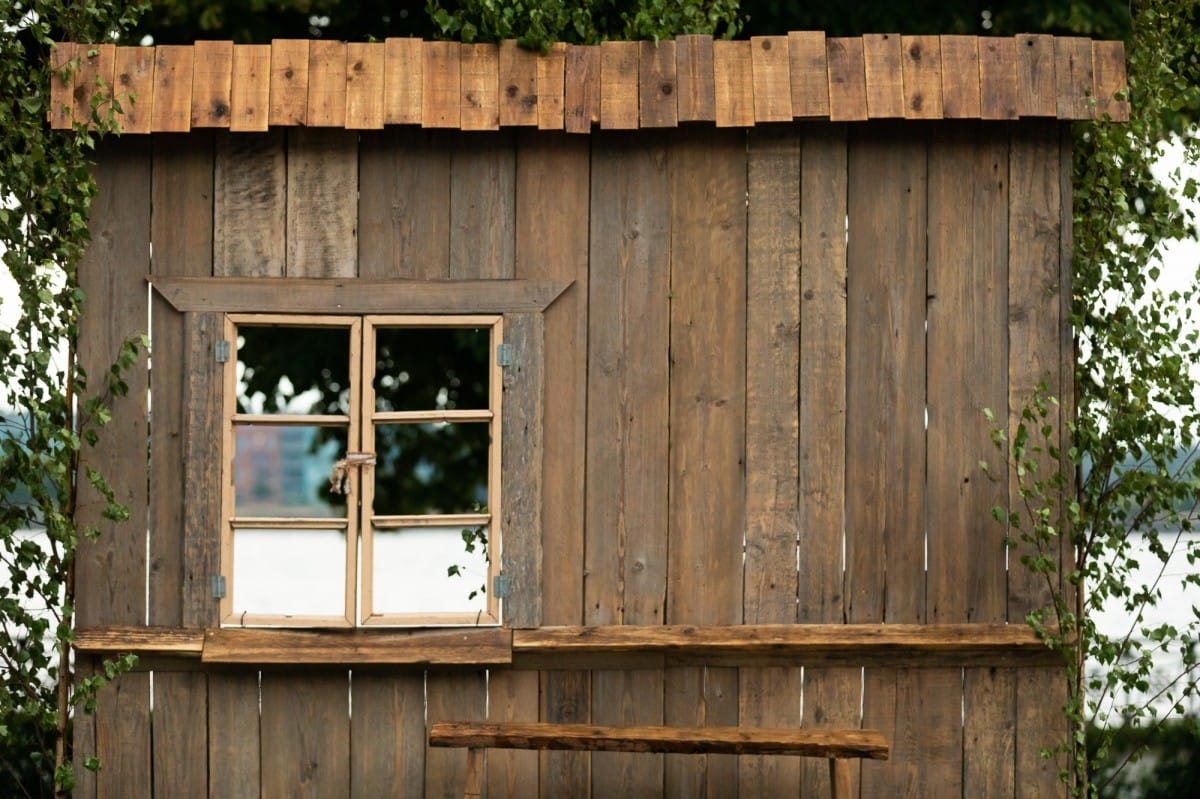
1124	483
49	409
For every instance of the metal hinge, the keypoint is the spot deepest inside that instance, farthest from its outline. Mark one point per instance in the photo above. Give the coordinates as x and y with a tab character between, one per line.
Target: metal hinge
500	586
218	586
221	351
504	355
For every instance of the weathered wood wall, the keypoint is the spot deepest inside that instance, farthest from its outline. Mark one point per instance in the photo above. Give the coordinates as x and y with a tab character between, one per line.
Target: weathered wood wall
764	395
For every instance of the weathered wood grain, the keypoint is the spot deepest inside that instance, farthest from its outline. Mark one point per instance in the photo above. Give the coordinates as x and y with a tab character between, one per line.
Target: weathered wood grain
581	94
847	80
734	79
250	204
305	724
551	105
180	734
989	732
250	89
364	85
694	74
1040	726
403	81
1035	75
482	207
451	696
922	68
387	735
1074	83
234	760
322	203
92	91
326	106
771	66
110	570
658	106
960	77
565	699
289	82
809	73
212	72
832	700
884	68
512	696
123	737
619	82
483	645
1109	80
440	84
172	104
998	86
133	89
518	84
768	697
481	99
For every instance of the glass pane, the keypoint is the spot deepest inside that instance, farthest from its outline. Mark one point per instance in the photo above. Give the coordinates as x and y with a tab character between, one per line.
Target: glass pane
431	368
289	572
293	370
412	571
284	470
437	467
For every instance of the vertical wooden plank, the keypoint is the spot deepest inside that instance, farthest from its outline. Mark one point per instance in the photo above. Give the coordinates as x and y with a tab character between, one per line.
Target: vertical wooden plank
1073	77
847	79
234	758
211	74
581	89
657	105
451	696
62	81
326	84
404	205
922	77
551	70
202	442
479	88
552	242
627	452
770	696
695	77
1041	696
322	203
809	73
565	699
440	84
180	734
960	77
387	735
83	734
305	735
110	571
522	449
1108	62
123	736
734	79
482	179
93	82
1035	292
249	204
289	82
518	79
134	88
618	85
822	373
250	91
1036	95
884	70
885	437
172	105
832	695
181	229
771	66
998	78
512	696
989	735
403	80
364	85
707	383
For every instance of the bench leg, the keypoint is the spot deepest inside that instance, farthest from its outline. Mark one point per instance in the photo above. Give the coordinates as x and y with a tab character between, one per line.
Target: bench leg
473	788
839	778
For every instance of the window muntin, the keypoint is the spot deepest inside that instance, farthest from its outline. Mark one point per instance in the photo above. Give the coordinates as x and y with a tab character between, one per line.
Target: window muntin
412	404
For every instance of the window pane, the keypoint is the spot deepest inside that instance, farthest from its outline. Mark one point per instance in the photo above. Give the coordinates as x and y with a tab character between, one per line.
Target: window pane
427	468
431	368
293	370
283	470
411	572
292	572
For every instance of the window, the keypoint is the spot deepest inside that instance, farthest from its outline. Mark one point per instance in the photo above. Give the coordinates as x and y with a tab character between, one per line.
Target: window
362	470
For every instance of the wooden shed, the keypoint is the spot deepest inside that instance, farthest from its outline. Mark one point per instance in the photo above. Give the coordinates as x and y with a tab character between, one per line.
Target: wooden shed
741	306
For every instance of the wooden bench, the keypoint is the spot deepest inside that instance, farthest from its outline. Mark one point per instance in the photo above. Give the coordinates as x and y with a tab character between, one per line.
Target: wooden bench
837	746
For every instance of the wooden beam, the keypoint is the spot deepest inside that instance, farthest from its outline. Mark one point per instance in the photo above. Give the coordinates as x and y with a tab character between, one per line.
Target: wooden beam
354	296
674	740
465	646
139	640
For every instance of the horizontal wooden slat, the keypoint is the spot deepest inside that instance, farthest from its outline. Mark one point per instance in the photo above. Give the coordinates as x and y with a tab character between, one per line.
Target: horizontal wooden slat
318	295
473	646
772	79
139	640
674	740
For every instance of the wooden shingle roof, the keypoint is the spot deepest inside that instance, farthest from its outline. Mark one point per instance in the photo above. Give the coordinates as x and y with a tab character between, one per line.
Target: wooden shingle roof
615	85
